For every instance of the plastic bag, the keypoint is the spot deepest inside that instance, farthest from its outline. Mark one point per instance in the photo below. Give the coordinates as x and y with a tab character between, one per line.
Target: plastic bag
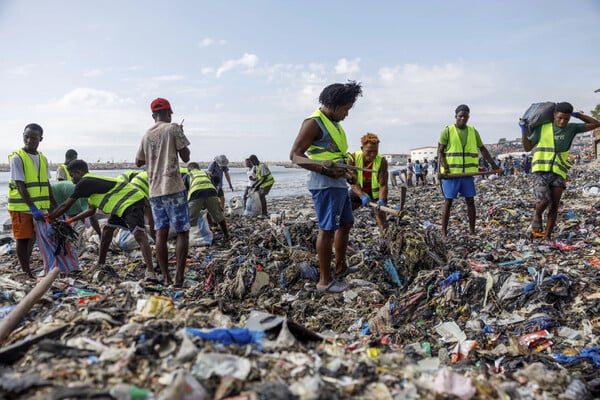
538	114
235	206
201	235
253	206
125	241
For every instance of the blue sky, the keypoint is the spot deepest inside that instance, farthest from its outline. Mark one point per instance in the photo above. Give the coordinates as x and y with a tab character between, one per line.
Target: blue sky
244	74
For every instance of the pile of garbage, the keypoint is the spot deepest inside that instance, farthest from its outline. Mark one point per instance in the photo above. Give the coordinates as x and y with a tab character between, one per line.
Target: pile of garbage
499	315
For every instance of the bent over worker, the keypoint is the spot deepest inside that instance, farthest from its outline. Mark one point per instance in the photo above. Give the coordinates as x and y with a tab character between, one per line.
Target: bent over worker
370	186
113	196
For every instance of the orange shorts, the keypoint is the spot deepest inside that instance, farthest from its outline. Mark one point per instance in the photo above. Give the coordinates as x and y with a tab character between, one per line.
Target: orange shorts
22	225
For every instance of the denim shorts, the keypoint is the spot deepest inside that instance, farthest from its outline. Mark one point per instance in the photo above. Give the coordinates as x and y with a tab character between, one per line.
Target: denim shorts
455	187
332	207
171	210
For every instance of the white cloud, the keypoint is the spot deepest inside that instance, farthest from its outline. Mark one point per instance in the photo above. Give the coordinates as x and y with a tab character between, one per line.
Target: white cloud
92	73
82	98
247	62
347	67
207	71
168	78
206	42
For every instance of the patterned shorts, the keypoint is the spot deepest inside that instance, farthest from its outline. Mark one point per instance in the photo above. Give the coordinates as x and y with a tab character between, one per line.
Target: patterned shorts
171	210
543	182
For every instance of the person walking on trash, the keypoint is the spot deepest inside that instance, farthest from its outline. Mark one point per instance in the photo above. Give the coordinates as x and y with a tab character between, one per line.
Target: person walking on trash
264	182
116	197
370	186
218	168
321	136
202	195
550	144
458	153
29	193
160	150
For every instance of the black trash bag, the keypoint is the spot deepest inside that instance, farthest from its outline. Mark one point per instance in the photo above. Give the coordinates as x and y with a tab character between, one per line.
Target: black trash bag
538	114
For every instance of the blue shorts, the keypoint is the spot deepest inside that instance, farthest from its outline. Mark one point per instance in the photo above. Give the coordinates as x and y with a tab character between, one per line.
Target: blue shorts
171	210
332	207
455	187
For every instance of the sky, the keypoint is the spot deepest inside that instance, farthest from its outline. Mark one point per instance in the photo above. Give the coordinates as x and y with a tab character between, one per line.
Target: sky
244	74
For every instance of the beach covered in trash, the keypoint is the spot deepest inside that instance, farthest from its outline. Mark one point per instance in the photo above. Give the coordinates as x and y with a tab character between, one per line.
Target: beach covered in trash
498	315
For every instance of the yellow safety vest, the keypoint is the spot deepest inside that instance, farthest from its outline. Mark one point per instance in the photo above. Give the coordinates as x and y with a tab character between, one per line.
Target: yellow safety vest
116	200
359	162
199	180
67	174
268	182
337	135
140	181
128	175
462	159
36	182
545	158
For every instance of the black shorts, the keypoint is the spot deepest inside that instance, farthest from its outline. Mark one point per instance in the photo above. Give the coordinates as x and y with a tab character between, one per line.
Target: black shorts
132	218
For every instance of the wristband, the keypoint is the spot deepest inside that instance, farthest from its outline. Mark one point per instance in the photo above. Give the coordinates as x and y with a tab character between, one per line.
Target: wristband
69	221
575	114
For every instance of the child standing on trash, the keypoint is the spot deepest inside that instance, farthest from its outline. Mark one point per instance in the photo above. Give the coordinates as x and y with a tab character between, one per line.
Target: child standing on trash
550	144
29	192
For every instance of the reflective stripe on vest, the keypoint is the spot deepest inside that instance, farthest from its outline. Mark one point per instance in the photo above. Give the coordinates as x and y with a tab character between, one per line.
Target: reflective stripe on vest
67	174
128	175
117	199
199	180
338	136
36	182
140	181
268	182
545	158
462	159
359	162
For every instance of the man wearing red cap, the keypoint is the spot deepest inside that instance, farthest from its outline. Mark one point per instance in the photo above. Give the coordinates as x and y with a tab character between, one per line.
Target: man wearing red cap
160	150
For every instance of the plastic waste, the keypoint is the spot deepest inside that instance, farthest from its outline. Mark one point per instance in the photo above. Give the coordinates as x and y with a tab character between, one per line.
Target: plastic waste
123	391
392	273
253	206
240	336
209	364
201	234
184	386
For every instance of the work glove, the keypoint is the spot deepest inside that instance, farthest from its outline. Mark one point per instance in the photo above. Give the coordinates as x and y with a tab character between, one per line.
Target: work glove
380	202
37	214
575	115
523	126
364	199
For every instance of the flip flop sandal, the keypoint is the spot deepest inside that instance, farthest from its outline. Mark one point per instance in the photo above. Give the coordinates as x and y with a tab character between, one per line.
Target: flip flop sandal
348	271
333	287
150	278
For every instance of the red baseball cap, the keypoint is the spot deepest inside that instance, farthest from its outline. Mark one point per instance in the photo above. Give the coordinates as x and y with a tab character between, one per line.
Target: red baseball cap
160	104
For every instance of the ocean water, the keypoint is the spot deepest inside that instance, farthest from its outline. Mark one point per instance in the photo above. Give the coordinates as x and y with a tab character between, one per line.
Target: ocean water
289	182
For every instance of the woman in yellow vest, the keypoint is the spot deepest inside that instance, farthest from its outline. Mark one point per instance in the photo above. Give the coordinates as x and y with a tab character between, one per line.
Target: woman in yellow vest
458	152
322	138
117	197
551	143
370	186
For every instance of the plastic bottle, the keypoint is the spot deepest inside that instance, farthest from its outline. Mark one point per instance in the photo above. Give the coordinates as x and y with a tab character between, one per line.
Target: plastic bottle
124	391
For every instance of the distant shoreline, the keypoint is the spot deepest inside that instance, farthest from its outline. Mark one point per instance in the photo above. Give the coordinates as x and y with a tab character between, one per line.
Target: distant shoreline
110	165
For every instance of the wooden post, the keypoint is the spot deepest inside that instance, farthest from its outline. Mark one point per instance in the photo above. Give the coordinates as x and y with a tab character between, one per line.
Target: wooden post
8	323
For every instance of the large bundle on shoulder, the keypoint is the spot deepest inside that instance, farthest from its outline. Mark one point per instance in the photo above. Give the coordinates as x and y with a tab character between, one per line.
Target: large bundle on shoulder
538	114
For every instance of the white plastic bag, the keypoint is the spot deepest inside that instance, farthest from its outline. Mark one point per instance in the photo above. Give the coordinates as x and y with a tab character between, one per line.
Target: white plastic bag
253	206
200	234
125	241
235	206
